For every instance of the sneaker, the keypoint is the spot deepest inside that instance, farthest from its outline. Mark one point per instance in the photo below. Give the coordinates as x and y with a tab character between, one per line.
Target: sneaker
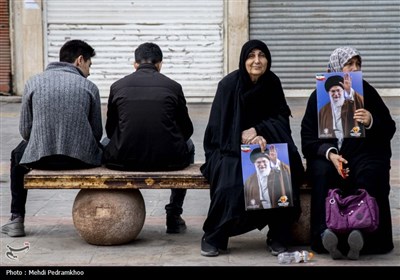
275	247
14	228
208	250
175	224
356	243
330	242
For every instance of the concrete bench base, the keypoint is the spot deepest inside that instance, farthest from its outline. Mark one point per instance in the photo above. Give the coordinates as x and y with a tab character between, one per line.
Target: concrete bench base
110	210
109	217
301	229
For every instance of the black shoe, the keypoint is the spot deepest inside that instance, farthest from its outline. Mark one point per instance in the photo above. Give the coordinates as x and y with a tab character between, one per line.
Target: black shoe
208	250
275	247
175	224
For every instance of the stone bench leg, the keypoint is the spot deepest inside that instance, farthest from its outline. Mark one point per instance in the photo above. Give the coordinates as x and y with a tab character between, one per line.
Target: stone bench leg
301	229
109	217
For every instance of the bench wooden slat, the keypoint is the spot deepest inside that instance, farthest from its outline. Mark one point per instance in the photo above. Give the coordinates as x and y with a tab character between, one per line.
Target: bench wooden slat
103	178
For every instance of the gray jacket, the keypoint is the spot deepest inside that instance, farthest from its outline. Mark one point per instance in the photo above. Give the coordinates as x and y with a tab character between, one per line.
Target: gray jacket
61	114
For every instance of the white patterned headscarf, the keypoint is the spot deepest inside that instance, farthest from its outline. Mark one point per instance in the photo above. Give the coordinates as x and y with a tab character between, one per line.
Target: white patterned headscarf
340	56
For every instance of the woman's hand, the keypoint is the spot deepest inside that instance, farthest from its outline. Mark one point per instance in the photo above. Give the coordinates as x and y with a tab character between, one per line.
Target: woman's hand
338	162
363	116
260	141
248	135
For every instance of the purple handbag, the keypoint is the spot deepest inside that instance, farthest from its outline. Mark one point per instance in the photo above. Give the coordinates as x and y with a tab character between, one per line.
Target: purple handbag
358	211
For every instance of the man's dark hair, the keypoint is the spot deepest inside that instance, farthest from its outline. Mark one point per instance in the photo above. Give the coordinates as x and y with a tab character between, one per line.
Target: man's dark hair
72	49
148	53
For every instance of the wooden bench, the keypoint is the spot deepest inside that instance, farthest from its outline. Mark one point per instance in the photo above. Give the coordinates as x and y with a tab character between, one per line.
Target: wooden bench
109	209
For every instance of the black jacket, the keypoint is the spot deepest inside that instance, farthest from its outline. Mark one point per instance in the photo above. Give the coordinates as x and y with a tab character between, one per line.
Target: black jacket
147	122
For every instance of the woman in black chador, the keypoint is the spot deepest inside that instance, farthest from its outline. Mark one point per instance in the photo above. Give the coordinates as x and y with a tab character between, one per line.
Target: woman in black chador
249	108
366	160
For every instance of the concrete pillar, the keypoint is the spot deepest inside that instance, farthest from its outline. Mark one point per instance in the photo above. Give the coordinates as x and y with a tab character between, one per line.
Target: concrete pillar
27	41
236	31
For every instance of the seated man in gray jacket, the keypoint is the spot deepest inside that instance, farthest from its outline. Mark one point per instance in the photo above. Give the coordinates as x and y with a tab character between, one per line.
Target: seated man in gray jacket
60	123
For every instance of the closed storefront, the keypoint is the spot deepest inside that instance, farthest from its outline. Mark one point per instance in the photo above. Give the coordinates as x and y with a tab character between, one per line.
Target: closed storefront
190	33
302	34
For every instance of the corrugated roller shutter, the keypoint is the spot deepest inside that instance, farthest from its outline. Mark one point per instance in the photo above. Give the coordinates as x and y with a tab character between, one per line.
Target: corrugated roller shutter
302	34
5	50
188	32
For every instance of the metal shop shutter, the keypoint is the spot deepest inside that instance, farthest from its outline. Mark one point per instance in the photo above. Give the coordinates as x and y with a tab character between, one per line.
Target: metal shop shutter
302	34
189	33
5	48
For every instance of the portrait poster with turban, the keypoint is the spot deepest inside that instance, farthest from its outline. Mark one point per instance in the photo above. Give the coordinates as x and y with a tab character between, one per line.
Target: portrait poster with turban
266	176
339	95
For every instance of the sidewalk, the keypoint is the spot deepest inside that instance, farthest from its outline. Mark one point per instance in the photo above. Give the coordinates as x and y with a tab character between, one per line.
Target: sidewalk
52	240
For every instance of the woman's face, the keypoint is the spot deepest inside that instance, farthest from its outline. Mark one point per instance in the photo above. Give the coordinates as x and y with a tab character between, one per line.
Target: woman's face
256	64
354	64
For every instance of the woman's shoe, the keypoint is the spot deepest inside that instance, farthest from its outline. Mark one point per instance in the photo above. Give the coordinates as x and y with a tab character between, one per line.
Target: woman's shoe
208	250
275	247
330	242
356	243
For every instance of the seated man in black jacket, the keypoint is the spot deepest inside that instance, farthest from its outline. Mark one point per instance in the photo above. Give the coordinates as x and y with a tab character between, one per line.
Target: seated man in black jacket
149	126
